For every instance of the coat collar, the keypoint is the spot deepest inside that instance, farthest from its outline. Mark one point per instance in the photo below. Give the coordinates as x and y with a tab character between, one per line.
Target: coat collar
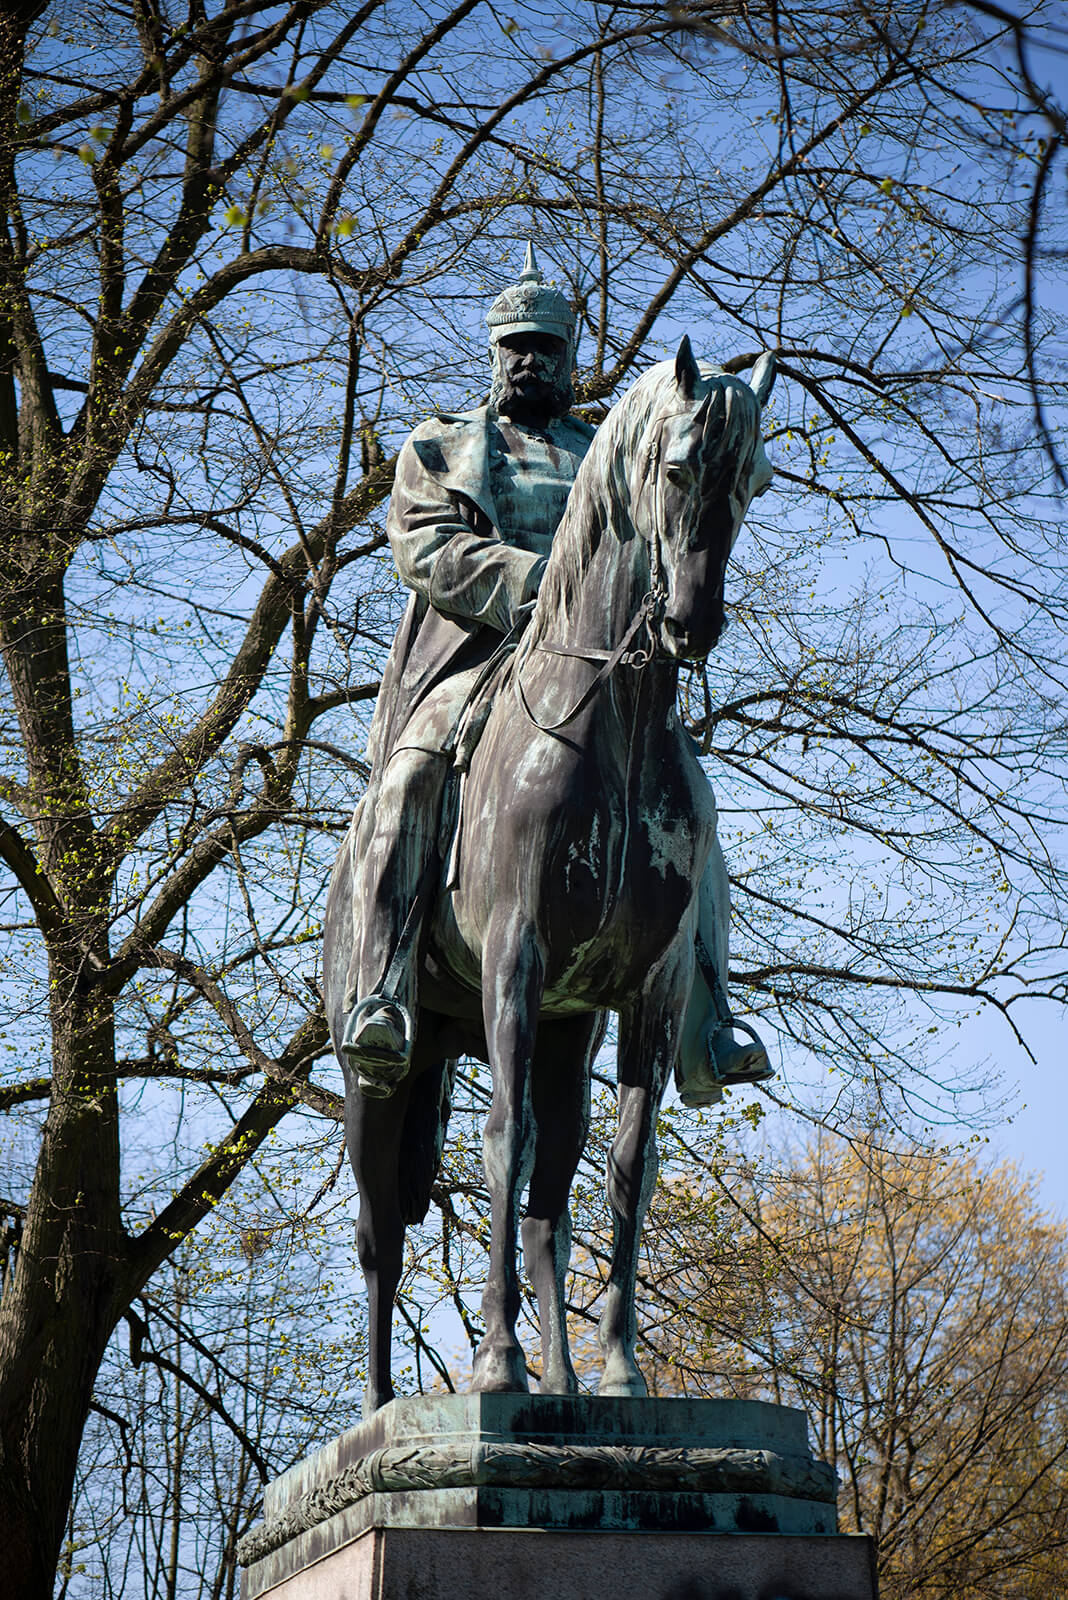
454	448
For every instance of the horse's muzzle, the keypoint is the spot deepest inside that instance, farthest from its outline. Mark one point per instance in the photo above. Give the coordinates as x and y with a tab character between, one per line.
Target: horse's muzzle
687	641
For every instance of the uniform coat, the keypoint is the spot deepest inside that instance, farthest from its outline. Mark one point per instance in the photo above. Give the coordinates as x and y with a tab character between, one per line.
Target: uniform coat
467	581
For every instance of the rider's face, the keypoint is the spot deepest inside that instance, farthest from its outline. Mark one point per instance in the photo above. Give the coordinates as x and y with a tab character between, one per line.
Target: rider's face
534	376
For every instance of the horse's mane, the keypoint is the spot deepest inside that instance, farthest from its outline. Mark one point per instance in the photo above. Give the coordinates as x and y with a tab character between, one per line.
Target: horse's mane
605	485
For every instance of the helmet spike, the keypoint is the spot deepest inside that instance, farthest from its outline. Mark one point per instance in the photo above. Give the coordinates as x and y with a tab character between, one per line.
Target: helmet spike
531	272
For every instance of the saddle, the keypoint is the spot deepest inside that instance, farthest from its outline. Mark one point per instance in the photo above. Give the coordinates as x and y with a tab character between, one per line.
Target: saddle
463	742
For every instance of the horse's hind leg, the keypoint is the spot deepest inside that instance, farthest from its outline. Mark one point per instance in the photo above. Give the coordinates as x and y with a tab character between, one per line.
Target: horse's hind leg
646	1057
373	1135
561	1104
512	981
384	1138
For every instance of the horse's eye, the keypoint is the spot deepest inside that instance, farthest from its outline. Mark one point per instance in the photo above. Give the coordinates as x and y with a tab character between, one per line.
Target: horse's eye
678	474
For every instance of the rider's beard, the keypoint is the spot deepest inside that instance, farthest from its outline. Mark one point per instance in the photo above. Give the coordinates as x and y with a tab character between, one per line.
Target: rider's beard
538	401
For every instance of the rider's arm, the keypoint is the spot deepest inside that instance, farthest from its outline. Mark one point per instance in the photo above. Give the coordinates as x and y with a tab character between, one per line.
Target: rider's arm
439	554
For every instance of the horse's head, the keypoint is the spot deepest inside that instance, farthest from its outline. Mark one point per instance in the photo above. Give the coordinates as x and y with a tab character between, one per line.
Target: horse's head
702	463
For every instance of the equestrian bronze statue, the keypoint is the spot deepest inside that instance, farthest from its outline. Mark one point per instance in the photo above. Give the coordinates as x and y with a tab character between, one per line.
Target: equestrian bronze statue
537	846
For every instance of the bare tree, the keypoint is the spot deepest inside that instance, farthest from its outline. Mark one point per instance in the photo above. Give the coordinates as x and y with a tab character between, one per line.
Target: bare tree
241	251
239	1359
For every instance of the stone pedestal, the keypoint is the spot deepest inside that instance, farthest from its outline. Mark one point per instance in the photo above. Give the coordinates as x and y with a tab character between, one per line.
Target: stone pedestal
509	1497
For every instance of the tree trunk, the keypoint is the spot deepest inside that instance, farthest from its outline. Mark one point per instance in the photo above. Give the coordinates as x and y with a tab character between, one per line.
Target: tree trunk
65	1291
64	1295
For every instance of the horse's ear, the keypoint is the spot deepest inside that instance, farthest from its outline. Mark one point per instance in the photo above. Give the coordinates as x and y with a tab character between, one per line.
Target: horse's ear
687	375
763	378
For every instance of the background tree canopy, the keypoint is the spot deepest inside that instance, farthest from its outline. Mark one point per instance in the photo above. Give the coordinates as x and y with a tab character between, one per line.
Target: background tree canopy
914	1304
243	249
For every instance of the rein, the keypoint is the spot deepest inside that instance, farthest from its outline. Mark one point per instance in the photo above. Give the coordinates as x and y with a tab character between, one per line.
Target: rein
647	616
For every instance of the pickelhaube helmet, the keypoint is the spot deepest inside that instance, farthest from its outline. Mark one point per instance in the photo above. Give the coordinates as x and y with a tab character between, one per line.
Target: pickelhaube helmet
531	306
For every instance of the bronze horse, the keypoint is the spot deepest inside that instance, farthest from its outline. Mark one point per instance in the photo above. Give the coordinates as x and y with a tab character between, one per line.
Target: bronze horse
588	823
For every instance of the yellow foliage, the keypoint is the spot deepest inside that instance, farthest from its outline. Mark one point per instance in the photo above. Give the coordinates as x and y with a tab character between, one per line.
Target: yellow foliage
914	1303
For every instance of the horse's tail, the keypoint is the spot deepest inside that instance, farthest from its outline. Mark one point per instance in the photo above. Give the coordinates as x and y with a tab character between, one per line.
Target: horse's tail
426	1121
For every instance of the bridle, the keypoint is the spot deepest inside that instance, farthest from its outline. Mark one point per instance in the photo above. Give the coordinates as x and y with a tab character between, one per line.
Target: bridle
648	617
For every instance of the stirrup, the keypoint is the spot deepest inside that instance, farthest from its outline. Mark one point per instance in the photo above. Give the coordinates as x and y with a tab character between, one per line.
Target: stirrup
759	1072
377	1072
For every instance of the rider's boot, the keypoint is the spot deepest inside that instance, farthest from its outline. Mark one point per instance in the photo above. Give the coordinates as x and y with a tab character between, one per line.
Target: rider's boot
729	1061
377	1043
396	854
710	1057
732	1062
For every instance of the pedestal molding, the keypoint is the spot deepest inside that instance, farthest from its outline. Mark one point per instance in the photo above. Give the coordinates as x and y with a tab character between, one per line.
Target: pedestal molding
650	1468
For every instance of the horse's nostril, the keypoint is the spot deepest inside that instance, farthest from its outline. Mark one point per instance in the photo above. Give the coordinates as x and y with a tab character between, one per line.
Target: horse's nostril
686	642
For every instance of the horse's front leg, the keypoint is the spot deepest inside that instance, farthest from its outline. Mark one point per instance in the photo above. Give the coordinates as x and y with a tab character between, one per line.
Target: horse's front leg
648	1043
512	983
561	1099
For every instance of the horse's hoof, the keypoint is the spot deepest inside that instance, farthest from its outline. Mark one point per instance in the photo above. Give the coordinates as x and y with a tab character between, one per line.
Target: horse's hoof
374	1399
499	1370
622	1380
559	1380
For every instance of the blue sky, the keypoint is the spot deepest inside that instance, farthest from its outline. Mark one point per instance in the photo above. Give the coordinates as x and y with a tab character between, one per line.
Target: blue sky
1035	1138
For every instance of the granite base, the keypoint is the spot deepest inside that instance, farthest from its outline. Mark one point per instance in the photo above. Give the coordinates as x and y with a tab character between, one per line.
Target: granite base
545	1564
501	1497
